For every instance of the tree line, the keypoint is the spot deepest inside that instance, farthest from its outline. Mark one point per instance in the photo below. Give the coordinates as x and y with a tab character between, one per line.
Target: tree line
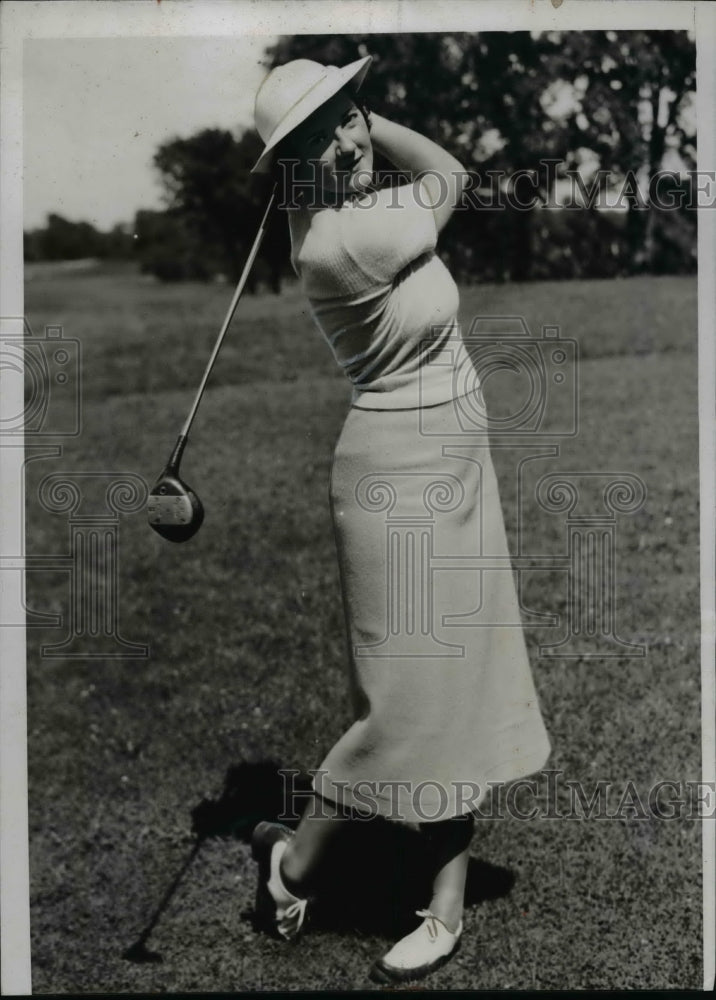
606	106
62	239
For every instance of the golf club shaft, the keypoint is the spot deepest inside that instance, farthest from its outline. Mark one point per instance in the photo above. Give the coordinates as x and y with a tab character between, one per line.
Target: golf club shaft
229	316
171	889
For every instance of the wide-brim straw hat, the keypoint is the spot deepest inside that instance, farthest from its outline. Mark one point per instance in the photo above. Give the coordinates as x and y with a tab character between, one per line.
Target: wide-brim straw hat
292	92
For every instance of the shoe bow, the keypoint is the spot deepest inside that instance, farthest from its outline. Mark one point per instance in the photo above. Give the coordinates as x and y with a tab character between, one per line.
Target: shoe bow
431	922
291	917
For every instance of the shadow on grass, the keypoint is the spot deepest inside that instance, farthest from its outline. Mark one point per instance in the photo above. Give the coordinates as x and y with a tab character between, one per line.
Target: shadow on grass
375	877
377	873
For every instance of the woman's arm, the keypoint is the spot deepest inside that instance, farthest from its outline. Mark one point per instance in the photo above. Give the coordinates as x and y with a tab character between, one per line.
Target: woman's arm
415	153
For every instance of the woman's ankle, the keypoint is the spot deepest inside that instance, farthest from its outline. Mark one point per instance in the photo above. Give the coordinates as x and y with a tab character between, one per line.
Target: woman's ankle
450	917
448	910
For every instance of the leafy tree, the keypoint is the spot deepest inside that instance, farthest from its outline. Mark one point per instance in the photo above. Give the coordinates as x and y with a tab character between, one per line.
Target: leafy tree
209	188
509	101
119	242
167	249
62	239
635	89
65	240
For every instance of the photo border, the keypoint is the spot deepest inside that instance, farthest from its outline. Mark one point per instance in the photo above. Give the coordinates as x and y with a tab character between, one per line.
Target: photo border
112	18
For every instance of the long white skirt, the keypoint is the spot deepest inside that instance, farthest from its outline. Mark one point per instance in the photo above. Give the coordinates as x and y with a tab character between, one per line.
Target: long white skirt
443	696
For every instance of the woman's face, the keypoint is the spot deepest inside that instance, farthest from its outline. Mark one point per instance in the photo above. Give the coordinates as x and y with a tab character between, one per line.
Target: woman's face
336	138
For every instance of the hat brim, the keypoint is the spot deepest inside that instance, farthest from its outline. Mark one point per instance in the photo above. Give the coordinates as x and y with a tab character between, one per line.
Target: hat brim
354	72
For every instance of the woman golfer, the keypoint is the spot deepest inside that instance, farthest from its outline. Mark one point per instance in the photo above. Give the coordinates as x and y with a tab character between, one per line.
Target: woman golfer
442	692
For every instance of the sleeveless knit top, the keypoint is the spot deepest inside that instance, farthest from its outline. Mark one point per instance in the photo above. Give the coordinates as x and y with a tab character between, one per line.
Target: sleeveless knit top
384	300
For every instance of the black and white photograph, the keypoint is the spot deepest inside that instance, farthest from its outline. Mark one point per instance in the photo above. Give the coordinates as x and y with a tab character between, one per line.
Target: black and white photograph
356	449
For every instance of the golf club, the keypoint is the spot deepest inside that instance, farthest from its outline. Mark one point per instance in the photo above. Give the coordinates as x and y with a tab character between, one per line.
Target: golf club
138	952
173	508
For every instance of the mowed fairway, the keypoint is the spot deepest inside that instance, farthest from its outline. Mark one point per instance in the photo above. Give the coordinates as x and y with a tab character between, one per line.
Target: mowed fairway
245	630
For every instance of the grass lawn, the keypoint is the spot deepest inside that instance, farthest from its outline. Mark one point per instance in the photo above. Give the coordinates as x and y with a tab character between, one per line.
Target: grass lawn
246	640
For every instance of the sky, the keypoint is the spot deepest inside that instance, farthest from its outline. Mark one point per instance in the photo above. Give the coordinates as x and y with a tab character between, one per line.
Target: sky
95	111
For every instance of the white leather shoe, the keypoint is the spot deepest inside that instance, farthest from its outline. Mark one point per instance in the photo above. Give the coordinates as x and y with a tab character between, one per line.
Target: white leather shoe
276	907
418	953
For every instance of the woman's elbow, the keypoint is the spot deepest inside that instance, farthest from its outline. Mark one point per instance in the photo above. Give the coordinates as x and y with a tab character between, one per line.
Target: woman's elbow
446	188
458	181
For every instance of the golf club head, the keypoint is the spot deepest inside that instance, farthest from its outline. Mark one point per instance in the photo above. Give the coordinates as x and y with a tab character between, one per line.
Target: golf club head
139	952
173	508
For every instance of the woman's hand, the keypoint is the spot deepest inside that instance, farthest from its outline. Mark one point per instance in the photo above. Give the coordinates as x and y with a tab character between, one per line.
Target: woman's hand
415	153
